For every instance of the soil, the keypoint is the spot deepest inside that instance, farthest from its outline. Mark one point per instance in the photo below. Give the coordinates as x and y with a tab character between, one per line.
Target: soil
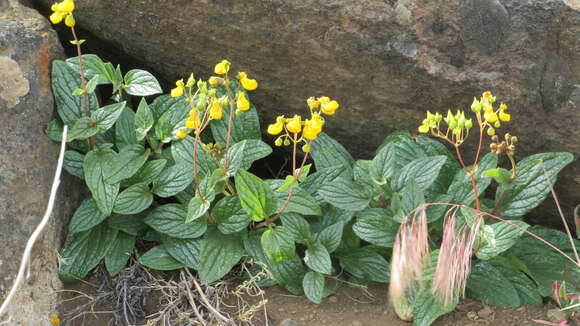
348	307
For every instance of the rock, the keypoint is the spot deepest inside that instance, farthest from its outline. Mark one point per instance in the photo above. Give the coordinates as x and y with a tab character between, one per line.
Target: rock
386	62
289	322
356	323
28	162
485	313
332	299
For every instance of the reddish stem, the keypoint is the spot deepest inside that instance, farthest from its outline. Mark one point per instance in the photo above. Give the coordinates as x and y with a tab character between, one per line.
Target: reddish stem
90	140
472	175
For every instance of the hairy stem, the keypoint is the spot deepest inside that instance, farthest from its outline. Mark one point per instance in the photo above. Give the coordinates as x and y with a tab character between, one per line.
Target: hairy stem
90	140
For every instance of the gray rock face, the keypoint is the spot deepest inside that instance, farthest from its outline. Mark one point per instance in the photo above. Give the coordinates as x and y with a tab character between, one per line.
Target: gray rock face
385	61
27	162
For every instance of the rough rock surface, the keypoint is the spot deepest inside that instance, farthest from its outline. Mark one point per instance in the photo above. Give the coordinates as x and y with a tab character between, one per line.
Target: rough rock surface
27	162
386	61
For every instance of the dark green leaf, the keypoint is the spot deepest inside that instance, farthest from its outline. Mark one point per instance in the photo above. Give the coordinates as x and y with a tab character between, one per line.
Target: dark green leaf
141	83
196	208
73	163
170	114
54	130
182	152
219	253
86	216
505	236
346	194
64	81
298	226
106	116
375	226
93	66
170	220
461	188
244	126
427	308
365	264
173	180
95	164
525	287
82	128
130	224
125	129
125	164
489	285
313	284
322	176
256	197
230	215
300	202
119	254
331	236
148	172
500	175
158	258
85	251
143	120
242	154
423	170
186	251
133	200
407	200
278	244
318	258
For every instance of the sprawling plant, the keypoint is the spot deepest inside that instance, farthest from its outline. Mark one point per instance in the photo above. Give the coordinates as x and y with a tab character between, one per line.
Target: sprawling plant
169	178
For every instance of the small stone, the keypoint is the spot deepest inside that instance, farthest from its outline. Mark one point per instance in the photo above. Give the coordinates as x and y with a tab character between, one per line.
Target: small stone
556	315
472	315
302	319
289	322
333	299
485	313
356	323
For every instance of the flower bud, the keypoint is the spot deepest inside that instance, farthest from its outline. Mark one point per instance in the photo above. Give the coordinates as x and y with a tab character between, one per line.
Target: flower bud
313	103
278	142
476	105
190	81
514	139
222	67
490	131
306	148
69	20
286	142
468	124
224	101
214	81
181	134
497	124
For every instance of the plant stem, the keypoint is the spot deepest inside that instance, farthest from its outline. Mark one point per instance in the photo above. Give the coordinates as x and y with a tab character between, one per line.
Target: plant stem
90	140
195	165
471	174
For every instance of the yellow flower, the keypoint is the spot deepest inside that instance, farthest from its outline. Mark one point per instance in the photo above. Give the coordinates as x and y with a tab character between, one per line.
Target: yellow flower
216	110
294	125
54	320
69	20
178	90
486	96
66	6
324	100
424	128
504	116
222	67
309	132
214	81
316	122
249	84
313	103
56	17
329	108
242	103
242	75
275	128
193	122
490	116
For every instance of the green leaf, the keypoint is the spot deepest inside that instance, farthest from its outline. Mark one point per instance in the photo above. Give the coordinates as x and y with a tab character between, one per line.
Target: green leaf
82	128
256	197
526	288
461	188
54	130
230	215
125	129
298	226
423	171
96	162
169	219
158	258
64	81
489	285
301	202
130	224
182	151
543	263
186	251
92	84
346	194
141	83
121	249
219	253
242	154
500	175
244	126
73	163
289	274
196	208
318	258
382	165
313	284
133	200
531	187
405	201
322	176
84	251
93	66
106	116
143	120
86	217
427	308
375	226
365	264
170	113
331	236
327	152
278	244
173	180
148	172
505	237
125	164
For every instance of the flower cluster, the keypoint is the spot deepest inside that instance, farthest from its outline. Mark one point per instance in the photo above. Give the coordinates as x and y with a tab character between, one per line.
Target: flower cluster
63	10
205	104
507	146
493	117
457	124
310	128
